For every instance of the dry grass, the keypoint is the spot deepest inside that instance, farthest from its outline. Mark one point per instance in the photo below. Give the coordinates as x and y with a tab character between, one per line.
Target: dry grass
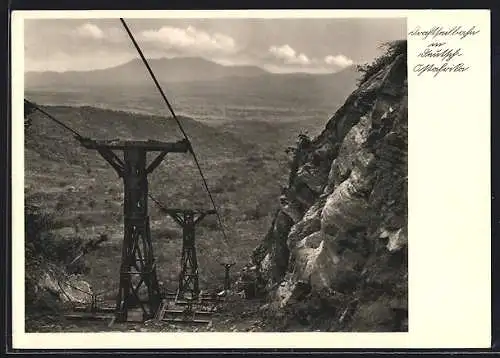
85	195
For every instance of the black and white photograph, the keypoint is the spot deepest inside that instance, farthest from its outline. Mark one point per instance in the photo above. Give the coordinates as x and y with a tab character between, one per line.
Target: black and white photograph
216	175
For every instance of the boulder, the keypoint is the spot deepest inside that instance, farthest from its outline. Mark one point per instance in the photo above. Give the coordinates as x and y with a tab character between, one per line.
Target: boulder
68	290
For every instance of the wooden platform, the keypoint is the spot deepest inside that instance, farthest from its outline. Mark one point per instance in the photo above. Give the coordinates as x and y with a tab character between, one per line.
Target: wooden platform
105	311
176	312
203	298
97	310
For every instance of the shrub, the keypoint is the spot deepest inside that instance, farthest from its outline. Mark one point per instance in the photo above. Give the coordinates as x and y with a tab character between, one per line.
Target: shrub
391	50
44	249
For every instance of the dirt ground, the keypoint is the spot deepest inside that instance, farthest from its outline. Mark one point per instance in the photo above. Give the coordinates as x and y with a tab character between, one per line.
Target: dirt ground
234	315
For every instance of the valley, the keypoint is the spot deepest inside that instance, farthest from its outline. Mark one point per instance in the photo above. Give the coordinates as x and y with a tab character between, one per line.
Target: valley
244	172
240	128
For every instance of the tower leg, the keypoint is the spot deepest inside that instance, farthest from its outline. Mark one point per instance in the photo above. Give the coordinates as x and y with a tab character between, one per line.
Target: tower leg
188	278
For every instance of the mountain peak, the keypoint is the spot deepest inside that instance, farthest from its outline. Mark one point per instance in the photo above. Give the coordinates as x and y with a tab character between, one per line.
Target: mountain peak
177	69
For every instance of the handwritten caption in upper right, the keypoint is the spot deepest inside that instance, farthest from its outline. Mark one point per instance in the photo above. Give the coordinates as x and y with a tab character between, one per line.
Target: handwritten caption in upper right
438	56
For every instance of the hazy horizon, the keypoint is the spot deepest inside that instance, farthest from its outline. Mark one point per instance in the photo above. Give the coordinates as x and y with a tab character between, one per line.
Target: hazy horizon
298	71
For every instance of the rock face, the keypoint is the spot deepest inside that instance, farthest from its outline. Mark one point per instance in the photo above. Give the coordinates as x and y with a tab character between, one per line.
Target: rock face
340	235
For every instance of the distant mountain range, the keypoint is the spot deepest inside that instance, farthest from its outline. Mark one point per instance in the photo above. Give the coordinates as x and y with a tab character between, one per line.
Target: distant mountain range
174	70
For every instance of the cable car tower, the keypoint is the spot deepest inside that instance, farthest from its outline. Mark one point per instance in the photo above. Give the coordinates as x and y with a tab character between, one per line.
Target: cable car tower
188	276
138	279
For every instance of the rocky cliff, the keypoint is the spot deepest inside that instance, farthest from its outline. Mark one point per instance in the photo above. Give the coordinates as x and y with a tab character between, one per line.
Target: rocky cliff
335	256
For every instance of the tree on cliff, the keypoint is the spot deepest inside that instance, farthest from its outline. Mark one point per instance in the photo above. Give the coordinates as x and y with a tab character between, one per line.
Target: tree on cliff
391	49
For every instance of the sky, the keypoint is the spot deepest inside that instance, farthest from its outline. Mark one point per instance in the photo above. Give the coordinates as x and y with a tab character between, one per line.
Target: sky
277	45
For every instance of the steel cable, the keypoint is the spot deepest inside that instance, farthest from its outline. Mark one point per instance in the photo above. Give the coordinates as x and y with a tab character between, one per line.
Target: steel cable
162	93
48	115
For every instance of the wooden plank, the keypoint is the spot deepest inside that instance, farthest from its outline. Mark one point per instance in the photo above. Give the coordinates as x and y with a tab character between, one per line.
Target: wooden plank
149	145
98	309
203	298
185	303
102	316
188	313
90	317
160	313
170	296
178	320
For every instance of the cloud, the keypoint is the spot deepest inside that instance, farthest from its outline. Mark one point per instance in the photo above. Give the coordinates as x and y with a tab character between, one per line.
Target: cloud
189	40
289	55
338	60
297	61
90	30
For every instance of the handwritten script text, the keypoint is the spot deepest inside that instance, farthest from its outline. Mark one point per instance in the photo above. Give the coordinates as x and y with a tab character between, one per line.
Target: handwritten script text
439	56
